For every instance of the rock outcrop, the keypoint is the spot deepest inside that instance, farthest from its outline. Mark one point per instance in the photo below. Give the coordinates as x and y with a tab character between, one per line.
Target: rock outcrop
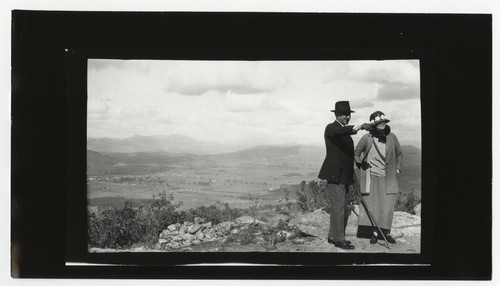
418	209
317	224
278	229
178	235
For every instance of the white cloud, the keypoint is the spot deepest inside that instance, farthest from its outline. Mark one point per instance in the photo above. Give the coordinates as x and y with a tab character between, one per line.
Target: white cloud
241	102
398	91
97	109
395	80
224	77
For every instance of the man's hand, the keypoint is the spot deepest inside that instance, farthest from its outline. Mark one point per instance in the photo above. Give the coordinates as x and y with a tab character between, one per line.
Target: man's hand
357	127
367	126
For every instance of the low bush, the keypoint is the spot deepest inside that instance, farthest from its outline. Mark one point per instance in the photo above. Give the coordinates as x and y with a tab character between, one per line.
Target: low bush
313	195
407	201
287	206
217	213
115	228
122	227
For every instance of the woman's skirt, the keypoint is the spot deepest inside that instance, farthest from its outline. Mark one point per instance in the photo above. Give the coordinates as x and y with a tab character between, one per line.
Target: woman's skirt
381	206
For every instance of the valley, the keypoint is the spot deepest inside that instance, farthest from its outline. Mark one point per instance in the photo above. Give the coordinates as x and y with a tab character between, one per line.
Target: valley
254	177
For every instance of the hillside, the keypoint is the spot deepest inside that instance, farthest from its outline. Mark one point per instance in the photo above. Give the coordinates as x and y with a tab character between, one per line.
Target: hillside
269	154
98	163
174	143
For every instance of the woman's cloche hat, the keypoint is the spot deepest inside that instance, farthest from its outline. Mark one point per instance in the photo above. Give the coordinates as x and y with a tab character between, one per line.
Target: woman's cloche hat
378	117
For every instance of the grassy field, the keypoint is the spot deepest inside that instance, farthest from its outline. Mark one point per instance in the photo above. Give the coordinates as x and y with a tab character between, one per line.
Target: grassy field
241	186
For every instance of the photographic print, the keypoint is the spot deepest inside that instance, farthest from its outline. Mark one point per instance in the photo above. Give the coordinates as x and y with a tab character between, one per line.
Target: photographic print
245	156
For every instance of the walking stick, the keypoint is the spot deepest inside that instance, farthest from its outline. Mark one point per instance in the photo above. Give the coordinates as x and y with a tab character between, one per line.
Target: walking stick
370	216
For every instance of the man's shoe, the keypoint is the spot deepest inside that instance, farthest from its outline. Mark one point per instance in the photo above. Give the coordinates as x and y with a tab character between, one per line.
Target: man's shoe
373	239
343	244
390	239
331	241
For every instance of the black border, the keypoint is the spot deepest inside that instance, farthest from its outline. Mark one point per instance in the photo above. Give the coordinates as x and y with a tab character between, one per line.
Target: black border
456	55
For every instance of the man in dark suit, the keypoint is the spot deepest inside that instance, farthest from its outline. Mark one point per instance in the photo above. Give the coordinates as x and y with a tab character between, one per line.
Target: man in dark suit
338	169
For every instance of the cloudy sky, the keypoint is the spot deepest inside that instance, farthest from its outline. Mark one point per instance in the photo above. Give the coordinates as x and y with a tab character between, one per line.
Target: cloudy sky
248	102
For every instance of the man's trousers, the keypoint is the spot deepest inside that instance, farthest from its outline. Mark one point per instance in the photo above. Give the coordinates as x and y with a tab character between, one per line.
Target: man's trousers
338	210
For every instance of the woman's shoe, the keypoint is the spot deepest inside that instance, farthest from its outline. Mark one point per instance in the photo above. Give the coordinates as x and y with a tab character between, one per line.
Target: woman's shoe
373	239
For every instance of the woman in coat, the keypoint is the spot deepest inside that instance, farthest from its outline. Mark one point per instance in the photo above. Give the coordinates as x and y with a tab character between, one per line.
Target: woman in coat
379	154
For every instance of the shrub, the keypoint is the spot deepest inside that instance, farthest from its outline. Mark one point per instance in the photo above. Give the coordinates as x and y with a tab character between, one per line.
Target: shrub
115	228
407	201
287	207
312	196
128	225
217	213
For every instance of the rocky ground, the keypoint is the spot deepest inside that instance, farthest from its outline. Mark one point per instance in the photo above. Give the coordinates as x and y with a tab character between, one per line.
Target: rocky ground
280	233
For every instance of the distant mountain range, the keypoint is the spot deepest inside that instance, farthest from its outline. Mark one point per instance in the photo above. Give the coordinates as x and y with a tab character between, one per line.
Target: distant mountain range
108	161
304	154
174	144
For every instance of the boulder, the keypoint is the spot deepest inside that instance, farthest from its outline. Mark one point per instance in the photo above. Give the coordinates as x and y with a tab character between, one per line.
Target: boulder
139	249
226	225
172	227
245	220
207	225
177	238
199	235
418	209
207	239
193	228
198	220
315	223
285	234
187	237
298	241
164	234
174	245
259	239
162	241
183	229
276	220
352	225
211	232
405	224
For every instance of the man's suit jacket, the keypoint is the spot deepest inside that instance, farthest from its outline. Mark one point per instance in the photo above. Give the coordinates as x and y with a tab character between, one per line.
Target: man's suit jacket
338	166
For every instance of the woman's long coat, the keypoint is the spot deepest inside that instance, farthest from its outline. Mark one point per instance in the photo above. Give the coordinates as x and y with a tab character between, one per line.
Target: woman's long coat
393	159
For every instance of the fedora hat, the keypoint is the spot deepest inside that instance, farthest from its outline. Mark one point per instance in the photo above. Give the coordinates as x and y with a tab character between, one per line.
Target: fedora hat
342	107
378	117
